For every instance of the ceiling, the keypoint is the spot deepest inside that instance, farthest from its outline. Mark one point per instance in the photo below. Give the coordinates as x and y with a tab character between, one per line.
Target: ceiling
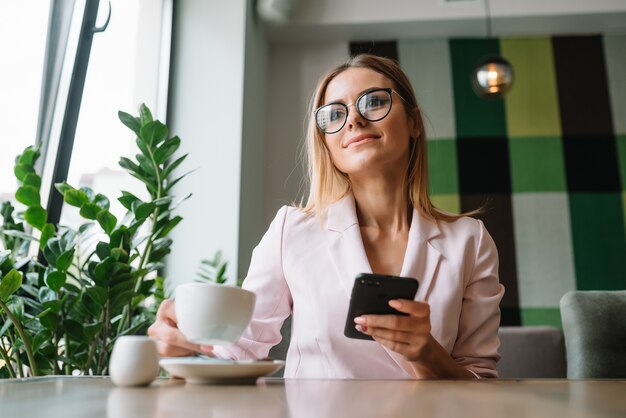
327	20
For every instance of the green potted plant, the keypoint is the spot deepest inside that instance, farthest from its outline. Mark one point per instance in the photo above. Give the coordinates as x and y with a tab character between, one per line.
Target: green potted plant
61	312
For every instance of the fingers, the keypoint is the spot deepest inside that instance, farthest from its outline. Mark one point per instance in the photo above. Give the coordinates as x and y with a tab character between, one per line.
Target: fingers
170	341
411	307
406	335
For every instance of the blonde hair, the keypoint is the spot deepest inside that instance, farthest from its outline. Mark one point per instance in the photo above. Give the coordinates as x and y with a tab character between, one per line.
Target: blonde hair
327	184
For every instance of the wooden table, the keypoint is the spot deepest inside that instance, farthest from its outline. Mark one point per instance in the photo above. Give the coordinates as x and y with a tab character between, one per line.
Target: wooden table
97	397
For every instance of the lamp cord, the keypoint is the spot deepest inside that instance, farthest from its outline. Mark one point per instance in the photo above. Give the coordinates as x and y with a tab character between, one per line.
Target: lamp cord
488	13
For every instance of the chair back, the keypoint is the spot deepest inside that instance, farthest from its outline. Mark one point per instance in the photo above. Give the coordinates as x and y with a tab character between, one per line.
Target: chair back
594	324
531	352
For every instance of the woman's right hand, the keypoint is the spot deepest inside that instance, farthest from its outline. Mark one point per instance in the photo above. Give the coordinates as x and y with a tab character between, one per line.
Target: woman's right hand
170	341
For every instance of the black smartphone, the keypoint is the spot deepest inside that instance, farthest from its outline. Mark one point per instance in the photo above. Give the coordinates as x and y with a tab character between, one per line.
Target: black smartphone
371	294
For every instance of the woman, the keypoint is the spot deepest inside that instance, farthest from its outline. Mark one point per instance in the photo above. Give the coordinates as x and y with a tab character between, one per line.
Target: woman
368	211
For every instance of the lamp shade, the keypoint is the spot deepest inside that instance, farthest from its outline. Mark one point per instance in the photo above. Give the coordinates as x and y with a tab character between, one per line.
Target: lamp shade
492	77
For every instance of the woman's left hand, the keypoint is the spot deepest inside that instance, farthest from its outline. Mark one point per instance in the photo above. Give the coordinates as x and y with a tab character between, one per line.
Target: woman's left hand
406	335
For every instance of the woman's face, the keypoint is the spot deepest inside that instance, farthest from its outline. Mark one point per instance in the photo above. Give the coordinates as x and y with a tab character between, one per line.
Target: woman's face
362	147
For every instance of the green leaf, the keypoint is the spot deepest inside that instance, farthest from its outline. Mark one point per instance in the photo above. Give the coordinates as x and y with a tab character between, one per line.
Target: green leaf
146	164
55	280
67	240
107	221
46	295
4	256
75	197
119	254
85	227
32	180
89	192
18	234
171	167
152	133
166	150
127	199
92	330
22	170
144	114
47	232
98	294
50	321
9	284
129	165
119	237
64	261
52	250
89	210
28	195
102	201
144	210
103	250
102	271
29	156
36	216
145	150
74	329
130	121
63	187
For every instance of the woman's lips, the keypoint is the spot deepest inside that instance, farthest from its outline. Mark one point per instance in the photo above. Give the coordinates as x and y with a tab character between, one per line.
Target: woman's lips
360	140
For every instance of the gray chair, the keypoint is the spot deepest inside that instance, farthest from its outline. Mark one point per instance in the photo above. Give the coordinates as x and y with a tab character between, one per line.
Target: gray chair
594	323
531	352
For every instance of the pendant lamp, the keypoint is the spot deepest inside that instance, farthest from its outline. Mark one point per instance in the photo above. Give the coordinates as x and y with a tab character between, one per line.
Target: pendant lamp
493	75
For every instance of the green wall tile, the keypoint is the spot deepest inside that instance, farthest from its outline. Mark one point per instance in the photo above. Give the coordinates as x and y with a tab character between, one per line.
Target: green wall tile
599	240
621	159
442	167
537	164
532	107
475	117
614	47
427	63
447	202
542	316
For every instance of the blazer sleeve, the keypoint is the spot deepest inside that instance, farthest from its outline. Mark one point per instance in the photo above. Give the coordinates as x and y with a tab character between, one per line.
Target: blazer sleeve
273	299
477	342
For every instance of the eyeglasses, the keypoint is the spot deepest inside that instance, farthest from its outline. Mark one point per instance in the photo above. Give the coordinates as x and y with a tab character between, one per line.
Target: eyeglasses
373	105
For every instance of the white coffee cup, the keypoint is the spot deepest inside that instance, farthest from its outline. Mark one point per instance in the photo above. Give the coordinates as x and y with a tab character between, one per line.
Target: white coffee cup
211	314
134	361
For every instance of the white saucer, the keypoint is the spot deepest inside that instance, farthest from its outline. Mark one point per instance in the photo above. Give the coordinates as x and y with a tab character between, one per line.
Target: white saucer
203	370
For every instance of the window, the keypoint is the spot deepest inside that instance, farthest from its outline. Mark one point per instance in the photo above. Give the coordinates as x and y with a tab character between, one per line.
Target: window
22	48
124	71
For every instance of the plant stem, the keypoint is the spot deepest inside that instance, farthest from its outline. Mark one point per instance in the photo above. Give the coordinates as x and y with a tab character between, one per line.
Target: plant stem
20	330
66	366
56	353
105	334
127	312
7	359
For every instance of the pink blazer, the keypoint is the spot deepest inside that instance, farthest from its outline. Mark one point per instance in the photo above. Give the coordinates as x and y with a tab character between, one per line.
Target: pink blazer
302	269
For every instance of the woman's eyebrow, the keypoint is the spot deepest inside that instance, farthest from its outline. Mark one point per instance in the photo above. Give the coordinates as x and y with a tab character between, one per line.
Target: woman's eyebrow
359	94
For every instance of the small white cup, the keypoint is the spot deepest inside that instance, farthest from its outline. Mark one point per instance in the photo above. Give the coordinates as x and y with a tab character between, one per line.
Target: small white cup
134	361
212	314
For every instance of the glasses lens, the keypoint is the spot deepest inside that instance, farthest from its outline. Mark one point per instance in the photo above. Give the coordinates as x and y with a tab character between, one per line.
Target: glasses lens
374	105
331	118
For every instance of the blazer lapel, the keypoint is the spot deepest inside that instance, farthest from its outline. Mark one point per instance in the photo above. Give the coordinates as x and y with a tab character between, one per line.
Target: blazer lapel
345	242
422	256
421	262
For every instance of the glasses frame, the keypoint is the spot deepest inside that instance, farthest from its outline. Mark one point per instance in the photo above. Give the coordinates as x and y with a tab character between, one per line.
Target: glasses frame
387	89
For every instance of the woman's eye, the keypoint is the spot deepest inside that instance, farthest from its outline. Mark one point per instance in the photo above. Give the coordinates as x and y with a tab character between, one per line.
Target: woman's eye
374	101
336	114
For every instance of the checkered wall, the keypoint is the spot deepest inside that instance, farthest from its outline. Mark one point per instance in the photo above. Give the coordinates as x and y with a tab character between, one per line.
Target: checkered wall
548	163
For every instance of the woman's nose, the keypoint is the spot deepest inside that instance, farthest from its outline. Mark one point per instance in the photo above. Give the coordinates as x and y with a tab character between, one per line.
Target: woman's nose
355	118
